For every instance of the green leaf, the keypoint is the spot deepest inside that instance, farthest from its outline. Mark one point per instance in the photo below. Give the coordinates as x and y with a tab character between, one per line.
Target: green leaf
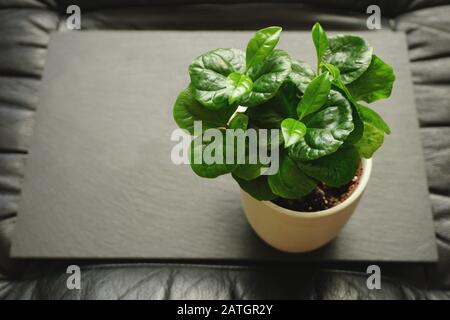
334	72
370	116
271	113
292	130
290	182
375	83
374	130
371	140
238	85
301	74
248	171
257	188
335	77
327	129
261	45
358	124
350	54
209	76
239	121
315	96
210	167
320	40
186	110
336	169
357	132
268	76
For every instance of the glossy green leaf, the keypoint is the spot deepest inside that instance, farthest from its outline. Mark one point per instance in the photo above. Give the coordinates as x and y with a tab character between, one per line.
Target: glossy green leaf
238	85
371	140
209	76
186	110
239	121
292	130
301	74
375	83
327	129
271	113
374	129
315	96
203	165
320	40
336	169
268	76
350	54
370	116
251	168
261	45
357	132
290	182
257	188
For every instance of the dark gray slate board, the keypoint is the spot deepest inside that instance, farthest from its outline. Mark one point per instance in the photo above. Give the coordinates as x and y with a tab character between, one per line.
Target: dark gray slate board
99	181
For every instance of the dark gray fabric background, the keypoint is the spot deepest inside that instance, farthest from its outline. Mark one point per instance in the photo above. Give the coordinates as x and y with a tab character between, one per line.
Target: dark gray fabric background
24	32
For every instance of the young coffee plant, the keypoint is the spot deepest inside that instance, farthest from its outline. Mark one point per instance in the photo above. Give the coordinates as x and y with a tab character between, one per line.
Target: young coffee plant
325	128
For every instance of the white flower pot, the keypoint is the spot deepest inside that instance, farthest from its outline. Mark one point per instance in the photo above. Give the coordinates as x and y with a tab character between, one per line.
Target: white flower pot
296	231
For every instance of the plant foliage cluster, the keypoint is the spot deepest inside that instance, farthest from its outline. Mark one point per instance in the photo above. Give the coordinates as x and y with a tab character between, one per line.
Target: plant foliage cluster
325	127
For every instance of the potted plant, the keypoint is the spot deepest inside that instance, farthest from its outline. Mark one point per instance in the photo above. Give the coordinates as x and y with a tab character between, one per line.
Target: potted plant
327	136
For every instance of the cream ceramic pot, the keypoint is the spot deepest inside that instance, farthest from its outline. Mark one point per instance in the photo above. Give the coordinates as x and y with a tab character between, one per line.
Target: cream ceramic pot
295	231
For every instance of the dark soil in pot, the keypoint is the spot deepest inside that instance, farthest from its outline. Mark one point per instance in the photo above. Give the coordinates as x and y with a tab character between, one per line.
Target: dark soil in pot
322	197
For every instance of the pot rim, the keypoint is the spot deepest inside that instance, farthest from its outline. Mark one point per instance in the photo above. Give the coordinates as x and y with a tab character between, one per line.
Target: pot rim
367	169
